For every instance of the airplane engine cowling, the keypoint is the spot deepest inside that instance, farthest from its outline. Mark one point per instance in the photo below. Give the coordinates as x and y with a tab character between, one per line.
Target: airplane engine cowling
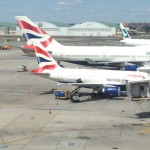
112	91
132	67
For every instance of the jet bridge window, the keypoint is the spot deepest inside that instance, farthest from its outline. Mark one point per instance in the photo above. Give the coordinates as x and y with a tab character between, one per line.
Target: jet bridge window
141	88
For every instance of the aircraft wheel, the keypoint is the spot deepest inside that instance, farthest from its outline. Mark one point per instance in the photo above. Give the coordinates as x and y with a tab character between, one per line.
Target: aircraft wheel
93	95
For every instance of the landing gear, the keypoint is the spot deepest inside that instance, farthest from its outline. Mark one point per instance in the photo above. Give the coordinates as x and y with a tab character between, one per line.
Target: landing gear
75	95
93	95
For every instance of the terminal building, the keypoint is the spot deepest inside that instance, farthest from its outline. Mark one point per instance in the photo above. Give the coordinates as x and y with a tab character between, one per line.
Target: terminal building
89	29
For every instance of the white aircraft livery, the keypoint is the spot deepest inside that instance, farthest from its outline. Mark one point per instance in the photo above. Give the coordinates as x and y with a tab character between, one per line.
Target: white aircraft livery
115	56
109	82
127	40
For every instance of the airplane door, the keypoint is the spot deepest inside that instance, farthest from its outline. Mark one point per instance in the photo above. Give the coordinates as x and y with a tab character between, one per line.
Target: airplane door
60	77
105	58
58	55
133	57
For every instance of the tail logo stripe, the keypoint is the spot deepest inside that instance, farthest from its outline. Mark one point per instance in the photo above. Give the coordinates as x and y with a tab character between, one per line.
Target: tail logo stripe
125	33
24	25
30	36
47	42
47	67
40	51
40	59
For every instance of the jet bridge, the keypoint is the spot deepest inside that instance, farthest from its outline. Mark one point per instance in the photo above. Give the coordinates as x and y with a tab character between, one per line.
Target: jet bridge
138	90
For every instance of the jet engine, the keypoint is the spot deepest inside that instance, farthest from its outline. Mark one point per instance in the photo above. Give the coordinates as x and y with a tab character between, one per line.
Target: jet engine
132	67
112	91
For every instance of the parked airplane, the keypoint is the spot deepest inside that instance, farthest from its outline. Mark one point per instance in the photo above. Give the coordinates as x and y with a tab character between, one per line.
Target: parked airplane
128	57
127	40
108	82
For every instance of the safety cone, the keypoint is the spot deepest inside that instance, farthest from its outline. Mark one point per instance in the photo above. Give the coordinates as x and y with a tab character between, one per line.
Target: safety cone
57	102
126	98
50	111
30	92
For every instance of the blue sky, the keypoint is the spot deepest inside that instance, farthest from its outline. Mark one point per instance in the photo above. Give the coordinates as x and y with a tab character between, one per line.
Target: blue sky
72	11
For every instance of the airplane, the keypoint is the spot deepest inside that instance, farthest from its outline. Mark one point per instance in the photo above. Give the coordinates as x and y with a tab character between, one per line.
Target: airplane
108	82
128	58
127	40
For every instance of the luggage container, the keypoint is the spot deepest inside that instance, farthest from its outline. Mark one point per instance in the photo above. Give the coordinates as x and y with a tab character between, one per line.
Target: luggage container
61	94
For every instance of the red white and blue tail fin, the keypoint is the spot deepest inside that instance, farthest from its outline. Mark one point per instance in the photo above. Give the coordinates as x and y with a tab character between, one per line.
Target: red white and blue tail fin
30	30
45	60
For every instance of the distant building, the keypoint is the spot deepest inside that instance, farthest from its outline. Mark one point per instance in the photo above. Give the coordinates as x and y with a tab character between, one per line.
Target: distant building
79	29
7	28
2	30
138	28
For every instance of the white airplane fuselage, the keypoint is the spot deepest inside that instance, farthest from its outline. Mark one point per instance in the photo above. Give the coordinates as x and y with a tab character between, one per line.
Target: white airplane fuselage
96	79
135	42
96	76
84	55
79	54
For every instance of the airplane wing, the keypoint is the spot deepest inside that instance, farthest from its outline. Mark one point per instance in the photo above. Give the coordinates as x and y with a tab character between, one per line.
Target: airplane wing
94	84
92	62
115	63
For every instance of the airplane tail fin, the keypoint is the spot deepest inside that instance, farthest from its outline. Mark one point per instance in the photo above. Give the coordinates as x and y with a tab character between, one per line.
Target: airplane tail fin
29	29
45	60
124	32
32	31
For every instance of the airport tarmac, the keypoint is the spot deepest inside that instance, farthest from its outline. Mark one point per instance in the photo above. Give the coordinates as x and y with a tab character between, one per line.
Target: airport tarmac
31	118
